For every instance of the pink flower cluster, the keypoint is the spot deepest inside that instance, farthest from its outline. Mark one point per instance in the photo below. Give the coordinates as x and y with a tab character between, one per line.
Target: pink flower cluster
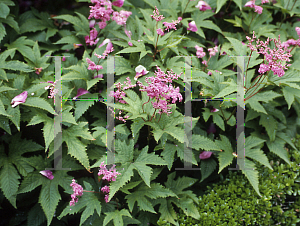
109	175
119	94
272	56
156	15
173	24
109	48
213	51
78	190
257	9
159	90
168	25
102	11
53	91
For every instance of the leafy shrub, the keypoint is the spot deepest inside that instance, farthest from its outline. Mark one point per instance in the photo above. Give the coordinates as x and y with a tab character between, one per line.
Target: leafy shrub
150	143
233	202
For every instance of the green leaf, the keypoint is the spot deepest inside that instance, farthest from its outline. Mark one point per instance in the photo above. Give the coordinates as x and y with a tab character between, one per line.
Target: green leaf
77	148
23	45
81	107
90	202
16	65
252	175
32	25
289	95
2	110
116	216
49	197
39	102
36	215
270	125
225	157
16	116
220	3
238	3
11	22
277	147
125	156
208	166
201	142
4	10
2	32
139	195
68	40
30	182
9	182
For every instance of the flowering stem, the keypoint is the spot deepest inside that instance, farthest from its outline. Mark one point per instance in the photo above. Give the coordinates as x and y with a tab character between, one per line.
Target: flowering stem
145	103
92	191
250	23
228	5
257	83
248	65
231	114
159	118
255	93
153	115
184	9
155	51
293	5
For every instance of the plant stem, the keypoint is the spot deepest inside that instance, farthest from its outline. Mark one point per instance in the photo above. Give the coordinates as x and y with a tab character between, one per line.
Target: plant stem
228	5
145	103
92	191
185	8
248	65
231	114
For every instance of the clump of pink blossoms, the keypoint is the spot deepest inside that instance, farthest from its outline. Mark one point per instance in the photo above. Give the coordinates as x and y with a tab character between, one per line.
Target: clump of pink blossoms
109	175
159	90
274	57
78	190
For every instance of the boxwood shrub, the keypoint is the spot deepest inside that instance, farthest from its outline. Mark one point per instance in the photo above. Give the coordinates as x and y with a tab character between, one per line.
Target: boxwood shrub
234	201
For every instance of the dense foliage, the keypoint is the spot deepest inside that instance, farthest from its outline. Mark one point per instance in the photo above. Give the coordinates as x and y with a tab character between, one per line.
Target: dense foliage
233	201
146	38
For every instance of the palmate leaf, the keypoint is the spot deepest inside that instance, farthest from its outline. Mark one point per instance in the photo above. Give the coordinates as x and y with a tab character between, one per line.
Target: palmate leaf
140	196
89	201
254	152
208	166
9	182
49	195
116	216
13	164
270	125
39	103
77	148
185	200
225	157
252	175
277	147
125	156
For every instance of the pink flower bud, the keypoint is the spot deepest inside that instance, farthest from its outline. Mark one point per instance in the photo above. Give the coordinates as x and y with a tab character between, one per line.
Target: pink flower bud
205	155
21	98
192	27
203	6
92	23
47	173
80	92
130	43
118	3
140	71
